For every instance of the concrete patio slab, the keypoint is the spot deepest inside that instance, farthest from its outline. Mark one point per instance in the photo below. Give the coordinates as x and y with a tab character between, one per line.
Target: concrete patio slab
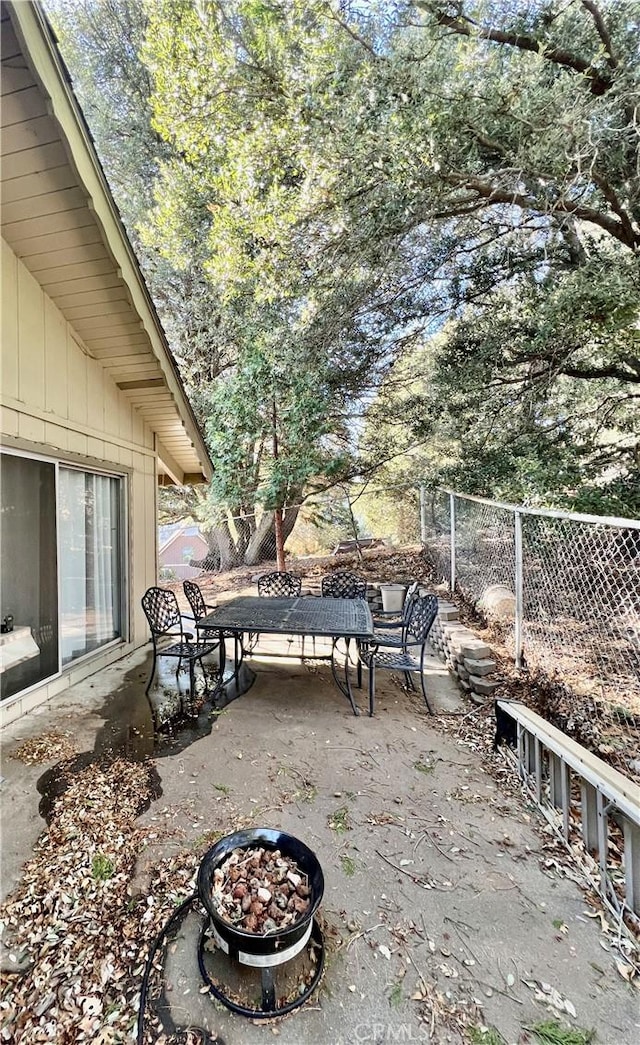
445	901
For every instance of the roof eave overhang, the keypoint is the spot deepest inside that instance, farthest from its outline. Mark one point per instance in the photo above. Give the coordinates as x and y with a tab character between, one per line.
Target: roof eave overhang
34	33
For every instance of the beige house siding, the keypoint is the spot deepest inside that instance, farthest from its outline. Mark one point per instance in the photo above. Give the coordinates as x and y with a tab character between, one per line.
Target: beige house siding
57	401
87	376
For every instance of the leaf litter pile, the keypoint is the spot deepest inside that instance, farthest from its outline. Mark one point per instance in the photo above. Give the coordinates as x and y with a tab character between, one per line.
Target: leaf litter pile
49	747
83	939
260	891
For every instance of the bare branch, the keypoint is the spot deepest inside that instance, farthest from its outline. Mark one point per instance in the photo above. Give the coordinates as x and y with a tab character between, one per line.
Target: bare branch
596	14
496	194
463	26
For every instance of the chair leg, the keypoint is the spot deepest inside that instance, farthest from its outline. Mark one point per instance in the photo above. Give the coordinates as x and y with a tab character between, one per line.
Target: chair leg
178	673
372	688
204	675
151	676
192	685
424	692
359	676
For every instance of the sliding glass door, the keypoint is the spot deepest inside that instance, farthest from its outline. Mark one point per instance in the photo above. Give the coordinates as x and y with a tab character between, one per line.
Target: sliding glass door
62	580
28	578
89	541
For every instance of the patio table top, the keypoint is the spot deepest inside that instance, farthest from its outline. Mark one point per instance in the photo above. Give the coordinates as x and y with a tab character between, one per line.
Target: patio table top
304	615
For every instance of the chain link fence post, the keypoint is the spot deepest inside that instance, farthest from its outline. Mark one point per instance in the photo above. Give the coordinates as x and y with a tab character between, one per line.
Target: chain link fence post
452	540
519	579
423	517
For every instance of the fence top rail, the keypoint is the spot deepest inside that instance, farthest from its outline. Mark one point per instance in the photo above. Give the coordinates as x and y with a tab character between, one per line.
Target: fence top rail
602	520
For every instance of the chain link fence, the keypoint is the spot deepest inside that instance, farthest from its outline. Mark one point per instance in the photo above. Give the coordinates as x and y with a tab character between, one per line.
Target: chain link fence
565	588
562	589
327	524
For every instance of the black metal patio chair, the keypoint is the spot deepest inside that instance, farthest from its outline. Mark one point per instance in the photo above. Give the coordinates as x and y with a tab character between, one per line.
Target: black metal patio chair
343	585
415	635
279	584
276	585
163	613
199	609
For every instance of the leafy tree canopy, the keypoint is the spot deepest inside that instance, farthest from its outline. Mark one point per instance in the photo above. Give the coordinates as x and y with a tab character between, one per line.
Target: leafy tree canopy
429	206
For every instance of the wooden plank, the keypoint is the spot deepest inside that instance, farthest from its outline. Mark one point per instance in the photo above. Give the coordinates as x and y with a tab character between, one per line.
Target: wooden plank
9	323
30	340
60	245
47	264
45	224
29	186
98	310
123	348
23	105
55	360
136	360
77	382
42	206
98	275
125	372
33	161
9	46
15	77
96	380
68	274
28	135
91	295
89	329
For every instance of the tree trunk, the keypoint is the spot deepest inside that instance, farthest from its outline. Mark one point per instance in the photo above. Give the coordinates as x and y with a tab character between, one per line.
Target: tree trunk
262	544
245	525
277	521
289	521
226	547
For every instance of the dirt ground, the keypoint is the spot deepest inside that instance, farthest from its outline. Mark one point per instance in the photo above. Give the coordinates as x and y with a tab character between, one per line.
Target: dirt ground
447	907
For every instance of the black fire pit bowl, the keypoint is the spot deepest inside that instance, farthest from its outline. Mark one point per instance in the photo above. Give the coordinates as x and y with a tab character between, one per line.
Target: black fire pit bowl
237	938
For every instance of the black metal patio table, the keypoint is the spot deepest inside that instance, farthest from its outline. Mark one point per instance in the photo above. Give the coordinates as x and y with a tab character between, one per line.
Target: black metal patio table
304	616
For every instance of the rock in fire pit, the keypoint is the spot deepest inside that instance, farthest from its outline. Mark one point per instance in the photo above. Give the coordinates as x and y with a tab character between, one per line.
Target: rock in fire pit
260	890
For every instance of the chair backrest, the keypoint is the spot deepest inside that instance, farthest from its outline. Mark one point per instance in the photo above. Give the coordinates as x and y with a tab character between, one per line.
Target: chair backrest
422	614
343	585
162	610
409	599
279	583
195	598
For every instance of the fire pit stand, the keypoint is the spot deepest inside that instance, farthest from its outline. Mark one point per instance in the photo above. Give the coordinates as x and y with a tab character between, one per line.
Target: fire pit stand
262	951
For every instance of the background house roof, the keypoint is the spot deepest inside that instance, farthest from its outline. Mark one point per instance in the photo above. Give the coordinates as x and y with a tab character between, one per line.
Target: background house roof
60	219
168	532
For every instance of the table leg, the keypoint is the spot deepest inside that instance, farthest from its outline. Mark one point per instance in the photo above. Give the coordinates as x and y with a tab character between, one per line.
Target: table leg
344	687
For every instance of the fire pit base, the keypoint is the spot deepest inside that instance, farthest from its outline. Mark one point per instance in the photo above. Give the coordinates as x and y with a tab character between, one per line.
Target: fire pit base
312	951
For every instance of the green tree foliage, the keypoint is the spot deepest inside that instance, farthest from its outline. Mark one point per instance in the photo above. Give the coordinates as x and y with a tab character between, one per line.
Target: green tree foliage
412	226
